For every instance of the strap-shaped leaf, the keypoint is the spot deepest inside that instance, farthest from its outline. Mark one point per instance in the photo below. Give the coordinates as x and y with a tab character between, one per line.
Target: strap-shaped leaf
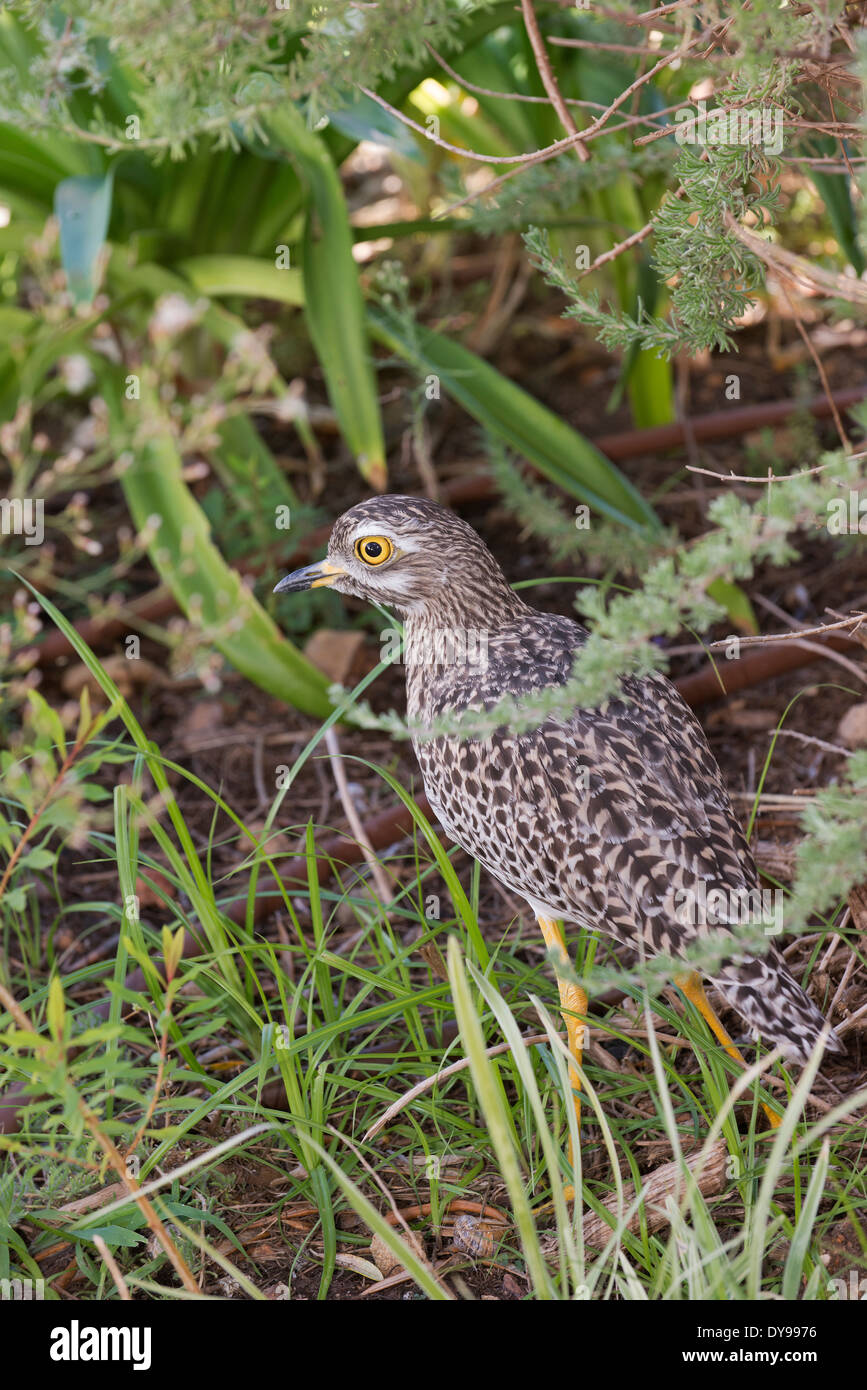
243	275
333	299
206	587
82	207
522	422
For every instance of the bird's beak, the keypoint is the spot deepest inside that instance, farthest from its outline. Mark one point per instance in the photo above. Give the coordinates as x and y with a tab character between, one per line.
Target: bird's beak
319	576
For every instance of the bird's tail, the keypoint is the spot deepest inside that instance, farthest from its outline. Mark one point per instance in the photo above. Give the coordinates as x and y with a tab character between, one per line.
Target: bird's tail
772	1002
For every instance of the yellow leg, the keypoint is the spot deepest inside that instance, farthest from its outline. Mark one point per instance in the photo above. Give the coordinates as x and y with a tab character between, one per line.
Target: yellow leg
573	1000
693	988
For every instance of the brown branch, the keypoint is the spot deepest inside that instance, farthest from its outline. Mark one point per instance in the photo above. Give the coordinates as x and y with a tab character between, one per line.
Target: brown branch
650	118
769	477
817	361
785	262
765	663
546	72
618	250
709	1171
721	424
624	96
523	160
638	50
591	131
854	622
648	16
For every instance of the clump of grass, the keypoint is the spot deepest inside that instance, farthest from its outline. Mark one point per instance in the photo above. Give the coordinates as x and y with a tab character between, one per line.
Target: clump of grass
229	1053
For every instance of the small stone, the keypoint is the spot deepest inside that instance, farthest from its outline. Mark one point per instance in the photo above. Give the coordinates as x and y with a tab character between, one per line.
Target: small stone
852	729
126	674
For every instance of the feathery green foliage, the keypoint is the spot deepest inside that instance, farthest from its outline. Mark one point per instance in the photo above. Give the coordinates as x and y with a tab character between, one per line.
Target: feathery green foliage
673	594
831	857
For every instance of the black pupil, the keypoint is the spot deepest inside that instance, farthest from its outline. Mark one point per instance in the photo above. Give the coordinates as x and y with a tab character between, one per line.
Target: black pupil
372	549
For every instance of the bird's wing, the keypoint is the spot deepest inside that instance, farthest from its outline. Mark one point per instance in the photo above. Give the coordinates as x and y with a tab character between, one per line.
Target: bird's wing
616	818
616	814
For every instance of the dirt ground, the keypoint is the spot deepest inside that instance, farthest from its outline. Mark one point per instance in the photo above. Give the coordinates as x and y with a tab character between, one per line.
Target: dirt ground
235	736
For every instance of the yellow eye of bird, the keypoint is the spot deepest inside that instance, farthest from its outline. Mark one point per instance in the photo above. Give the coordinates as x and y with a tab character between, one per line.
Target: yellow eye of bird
374	550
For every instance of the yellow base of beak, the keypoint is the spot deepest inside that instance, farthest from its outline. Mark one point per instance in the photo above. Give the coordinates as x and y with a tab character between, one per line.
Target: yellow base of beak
319	576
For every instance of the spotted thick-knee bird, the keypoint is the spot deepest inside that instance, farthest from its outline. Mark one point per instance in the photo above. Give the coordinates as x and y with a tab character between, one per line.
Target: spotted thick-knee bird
615	818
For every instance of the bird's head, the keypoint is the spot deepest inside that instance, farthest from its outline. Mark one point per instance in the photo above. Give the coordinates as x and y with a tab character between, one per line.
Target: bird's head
410	554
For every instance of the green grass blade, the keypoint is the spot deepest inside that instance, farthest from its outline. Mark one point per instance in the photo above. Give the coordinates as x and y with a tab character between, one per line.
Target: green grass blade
776	1162
460	901
804	1229
649	378
420	1270
497	1119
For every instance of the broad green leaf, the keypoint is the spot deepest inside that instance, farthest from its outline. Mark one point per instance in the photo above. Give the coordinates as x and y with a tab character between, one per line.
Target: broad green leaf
835	192
208	589
112	1235
522	422
46	718
15	322
243	275
365	120
82	207
21	1038
737	604
38	859
335	308
104	1032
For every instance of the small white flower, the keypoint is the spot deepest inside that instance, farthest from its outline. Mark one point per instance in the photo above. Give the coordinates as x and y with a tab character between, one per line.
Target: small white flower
174	314
76	373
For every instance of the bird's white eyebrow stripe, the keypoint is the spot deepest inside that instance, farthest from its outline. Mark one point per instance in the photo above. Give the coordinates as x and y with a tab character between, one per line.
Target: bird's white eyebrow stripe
367	529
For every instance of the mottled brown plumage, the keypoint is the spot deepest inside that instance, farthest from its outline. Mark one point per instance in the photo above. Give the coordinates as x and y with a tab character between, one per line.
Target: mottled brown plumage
607	818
